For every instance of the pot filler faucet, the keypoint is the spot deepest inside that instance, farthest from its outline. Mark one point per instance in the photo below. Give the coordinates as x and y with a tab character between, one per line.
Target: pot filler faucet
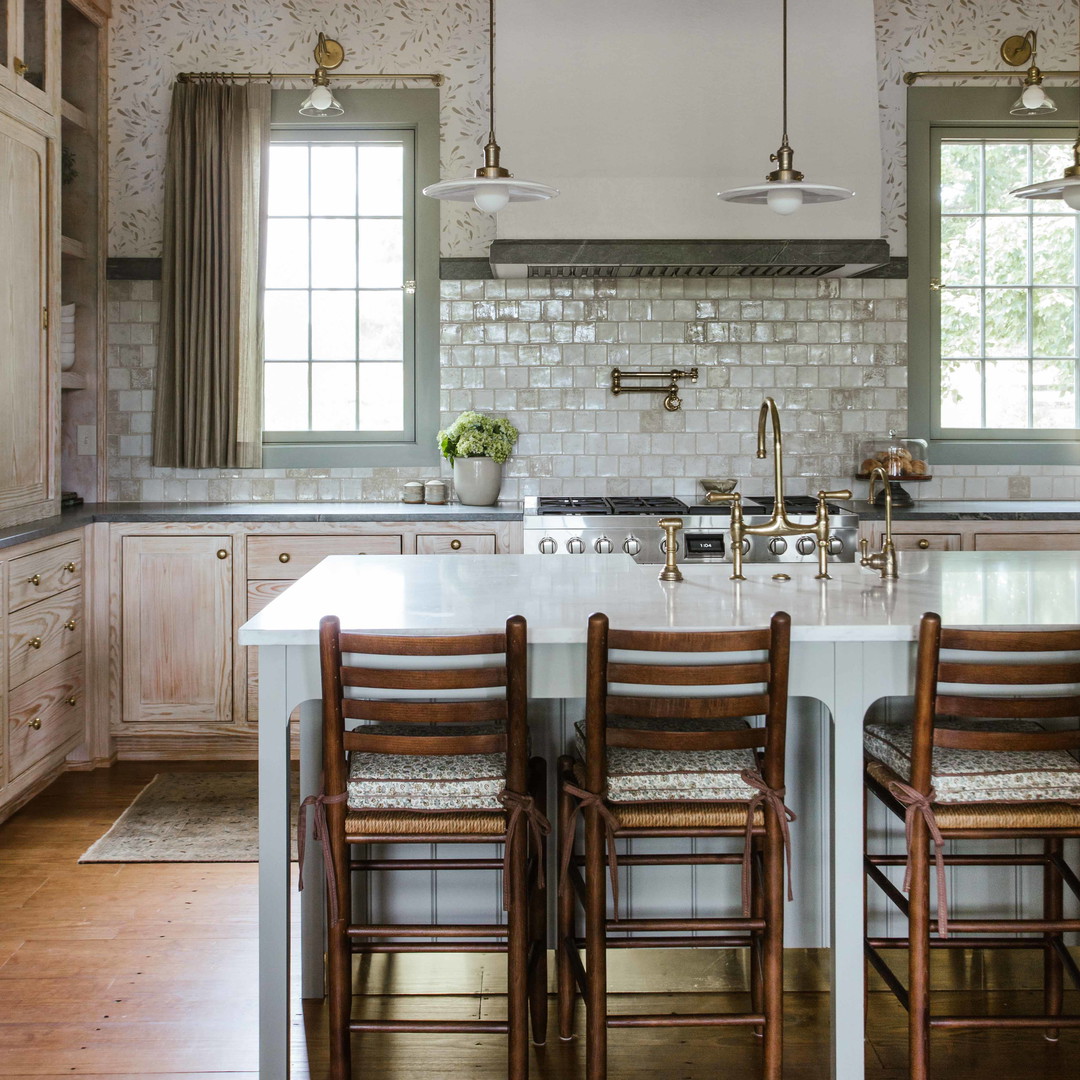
779	524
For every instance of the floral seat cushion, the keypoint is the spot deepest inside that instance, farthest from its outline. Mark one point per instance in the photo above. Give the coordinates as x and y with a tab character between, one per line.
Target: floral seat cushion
971	776
426	781
658	775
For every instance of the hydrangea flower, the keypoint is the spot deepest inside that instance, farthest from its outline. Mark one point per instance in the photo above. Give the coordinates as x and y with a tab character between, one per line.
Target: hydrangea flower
475	434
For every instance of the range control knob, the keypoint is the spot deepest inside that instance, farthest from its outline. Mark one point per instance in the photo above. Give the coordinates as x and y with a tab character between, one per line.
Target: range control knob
745	545
631	545
548	546
663	546
836	545
778	545
603	546
806	545
575	545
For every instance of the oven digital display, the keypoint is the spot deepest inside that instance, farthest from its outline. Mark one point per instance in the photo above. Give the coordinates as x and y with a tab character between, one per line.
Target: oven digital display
705	544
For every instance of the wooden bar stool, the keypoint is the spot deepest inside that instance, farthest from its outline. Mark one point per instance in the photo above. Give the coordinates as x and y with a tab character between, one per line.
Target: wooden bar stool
441	758
986	756
668	753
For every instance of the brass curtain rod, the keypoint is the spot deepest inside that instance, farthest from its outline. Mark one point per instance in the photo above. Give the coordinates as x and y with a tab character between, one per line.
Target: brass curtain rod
193	76
911	76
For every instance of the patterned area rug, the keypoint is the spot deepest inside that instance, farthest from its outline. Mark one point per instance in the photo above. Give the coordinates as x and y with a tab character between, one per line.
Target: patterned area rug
187	817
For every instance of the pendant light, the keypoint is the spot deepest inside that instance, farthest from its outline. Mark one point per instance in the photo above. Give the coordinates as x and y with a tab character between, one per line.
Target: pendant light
321	101
1067	188
493	186
786	189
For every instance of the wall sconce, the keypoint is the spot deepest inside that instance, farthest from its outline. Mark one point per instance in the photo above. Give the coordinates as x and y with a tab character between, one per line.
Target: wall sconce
321	102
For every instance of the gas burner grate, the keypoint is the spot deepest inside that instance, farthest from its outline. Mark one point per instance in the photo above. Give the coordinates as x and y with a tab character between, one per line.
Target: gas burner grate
646	504
551	504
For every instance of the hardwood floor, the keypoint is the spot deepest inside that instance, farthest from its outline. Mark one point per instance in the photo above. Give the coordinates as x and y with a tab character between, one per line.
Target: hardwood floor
148	970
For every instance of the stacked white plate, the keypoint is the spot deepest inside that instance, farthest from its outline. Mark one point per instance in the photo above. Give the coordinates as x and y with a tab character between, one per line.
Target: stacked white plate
67	337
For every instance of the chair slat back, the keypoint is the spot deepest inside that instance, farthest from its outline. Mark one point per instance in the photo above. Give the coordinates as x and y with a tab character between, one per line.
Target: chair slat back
988	675
638	675
460	681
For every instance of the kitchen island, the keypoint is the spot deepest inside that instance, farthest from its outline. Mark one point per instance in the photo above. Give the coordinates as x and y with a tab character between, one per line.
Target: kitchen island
852	644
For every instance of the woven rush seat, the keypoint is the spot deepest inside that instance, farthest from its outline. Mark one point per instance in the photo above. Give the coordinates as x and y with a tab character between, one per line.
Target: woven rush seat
636	775
433	823
975	776
432	782
987	815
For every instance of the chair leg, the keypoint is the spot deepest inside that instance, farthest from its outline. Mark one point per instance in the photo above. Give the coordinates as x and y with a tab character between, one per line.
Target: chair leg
517	961
773	980
1053	908
564	923
339	972
919	954
538	900
757	948
595	947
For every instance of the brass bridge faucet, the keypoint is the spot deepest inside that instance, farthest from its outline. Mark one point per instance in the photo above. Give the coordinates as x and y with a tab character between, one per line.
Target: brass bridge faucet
885	559
779	524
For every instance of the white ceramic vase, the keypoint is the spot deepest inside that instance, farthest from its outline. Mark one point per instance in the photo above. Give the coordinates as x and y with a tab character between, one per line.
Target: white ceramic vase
477	480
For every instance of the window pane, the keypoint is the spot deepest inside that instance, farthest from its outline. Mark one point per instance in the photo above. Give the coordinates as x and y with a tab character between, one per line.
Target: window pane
333	325
1054	394
286	397
961	164
1007	250
1052	322
333	249
1006	322
1007	167
381	325
286	253
961	393
961	250
1007	393
382	397
381	179
333	397
1054	249
333	180
288	182
285	325
1047	160
961	321
381	243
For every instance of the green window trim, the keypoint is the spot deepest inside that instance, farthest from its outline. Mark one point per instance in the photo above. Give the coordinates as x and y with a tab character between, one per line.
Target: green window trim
935	113
417	111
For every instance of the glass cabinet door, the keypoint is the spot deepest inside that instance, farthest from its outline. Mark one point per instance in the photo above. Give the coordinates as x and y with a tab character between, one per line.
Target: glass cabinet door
34	39
26	49
7	35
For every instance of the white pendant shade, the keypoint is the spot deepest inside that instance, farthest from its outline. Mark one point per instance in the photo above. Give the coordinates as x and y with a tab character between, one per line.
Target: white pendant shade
321	102
1067	188
490	195
1034	101
785	197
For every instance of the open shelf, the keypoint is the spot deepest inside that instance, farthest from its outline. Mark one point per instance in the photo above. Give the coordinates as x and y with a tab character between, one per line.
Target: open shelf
72	380
75	248
74	115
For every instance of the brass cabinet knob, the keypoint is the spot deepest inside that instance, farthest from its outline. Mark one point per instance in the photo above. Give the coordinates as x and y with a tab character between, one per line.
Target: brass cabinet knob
70	567
924	543
284	557
455	544
34	643
35	723
35	580
222	553
21	66
73	700
70	624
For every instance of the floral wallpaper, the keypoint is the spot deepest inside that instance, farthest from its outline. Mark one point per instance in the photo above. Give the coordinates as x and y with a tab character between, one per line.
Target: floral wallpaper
153	40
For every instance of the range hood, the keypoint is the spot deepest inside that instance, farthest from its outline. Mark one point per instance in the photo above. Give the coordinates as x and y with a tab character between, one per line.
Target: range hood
686	258
640	111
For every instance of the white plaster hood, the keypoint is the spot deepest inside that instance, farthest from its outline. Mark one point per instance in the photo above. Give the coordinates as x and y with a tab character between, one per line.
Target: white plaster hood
640	111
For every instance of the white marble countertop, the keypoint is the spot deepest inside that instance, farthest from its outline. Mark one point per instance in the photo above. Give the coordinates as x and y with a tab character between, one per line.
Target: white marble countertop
427	594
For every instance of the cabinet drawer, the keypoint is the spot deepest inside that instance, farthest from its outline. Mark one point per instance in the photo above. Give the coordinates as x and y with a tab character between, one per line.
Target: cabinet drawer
1023	541
291	556
43	634
44	715
926	541
455	543
44	574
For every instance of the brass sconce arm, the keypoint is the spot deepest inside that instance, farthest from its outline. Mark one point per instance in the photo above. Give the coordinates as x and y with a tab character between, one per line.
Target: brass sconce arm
672	402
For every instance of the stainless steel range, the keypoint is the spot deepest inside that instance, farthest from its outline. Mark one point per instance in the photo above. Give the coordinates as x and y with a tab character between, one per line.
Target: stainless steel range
629	524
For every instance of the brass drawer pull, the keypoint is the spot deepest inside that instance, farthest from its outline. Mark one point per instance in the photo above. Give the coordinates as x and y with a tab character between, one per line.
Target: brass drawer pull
35	723
70	568
222	553
73	700
924	543
34	643
35	580
70	624
284	557
455	544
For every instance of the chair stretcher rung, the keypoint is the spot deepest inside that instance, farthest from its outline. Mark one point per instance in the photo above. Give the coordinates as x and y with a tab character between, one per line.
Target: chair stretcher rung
1005	1021
675	941
630	1020
497	1027
366	947
427	930
658	925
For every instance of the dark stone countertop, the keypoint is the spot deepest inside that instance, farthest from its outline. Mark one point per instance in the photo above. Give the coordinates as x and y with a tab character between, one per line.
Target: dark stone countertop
321	512
976	510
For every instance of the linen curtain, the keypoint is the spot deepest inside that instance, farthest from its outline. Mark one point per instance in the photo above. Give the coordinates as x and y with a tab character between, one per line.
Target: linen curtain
208	397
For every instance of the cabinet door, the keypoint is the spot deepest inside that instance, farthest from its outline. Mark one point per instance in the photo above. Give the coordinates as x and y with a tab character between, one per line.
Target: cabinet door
177	630
1028	541
25	416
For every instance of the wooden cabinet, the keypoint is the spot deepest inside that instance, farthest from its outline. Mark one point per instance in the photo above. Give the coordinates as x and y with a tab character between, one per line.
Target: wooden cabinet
289	557
929	534
29	35
177	633
455	543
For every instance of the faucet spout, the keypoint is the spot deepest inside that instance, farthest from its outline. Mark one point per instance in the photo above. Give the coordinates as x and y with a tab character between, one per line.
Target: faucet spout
769	414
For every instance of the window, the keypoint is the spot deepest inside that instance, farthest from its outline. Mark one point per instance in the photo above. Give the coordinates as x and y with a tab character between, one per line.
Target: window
994	285
351	358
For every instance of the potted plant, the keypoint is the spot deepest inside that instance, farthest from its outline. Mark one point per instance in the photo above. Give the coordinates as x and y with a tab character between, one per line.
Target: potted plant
476	445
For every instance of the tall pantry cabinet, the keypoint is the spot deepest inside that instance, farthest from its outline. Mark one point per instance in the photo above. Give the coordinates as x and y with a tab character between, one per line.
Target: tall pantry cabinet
34	120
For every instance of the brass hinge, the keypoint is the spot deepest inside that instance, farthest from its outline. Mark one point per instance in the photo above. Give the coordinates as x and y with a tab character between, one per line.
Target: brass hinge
935	284
44	318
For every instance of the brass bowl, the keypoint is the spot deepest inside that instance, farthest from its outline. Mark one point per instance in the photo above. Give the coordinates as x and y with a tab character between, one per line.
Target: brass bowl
722	487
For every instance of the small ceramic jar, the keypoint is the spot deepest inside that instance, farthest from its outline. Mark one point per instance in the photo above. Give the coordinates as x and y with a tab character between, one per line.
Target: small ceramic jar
412	492
435	492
